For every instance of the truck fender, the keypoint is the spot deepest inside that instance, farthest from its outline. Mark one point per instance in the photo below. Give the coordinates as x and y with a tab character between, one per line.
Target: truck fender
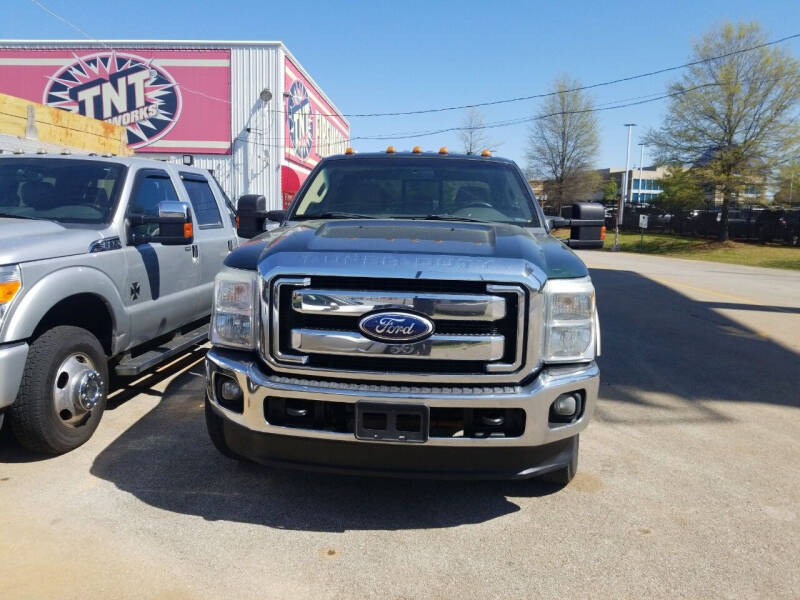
59	285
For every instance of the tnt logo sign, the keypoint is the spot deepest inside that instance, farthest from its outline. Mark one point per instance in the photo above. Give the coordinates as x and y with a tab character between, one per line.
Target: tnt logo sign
123	89
301	120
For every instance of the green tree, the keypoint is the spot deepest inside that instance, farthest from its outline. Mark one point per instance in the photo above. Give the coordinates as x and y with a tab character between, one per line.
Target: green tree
732	116
681	190
610	191
788	183
563	143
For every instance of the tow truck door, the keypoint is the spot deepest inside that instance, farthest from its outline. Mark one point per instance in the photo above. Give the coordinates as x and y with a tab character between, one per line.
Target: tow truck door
161	281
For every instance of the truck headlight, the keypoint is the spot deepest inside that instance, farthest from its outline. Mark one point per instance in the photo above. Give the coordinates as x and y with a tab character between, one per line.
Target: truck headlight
234	318
570	315
10	284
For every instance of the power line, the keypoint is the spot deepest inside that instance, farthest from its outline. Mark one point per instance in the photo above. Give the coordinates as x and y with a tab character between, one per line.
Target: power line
577	89
624	103
69	23
477	104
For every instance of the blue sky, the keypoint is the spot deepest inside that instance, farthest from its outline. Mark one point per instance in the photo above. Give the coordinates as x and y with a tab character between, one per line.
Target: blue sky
394	56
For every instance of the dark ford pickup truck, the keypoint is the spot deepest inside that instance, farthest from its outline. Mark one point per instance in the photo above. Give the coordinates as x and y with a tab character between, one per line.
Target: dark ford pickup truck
411	316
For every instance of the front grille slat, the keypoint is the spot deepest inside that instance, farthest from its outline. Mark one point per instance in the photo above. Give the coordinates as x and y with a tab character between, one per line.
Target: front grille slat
313	324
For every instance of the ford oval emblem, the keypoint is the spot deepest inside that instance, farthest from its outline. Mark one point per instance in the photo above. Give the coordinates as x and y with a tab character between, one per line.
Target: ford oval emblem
396	327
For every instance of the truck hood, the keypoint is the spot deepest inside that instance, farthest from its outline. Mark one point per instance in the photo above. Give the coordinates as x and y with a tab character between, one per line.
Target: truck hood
418	249
23	240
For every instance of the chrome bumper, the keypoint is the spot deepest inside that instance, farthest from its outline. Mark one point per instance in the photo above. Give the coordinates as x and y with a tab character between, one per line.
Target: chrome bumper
12	363
535	398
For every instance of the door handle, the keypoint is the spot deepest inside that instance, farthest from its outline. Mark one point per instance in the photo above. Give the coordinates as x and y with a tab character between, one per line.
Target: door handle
195	251
230	245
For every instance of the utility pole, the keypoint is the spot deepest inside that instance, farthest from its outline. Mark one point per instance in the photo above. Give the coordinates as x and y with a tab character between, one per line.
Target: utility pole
624	194
641	167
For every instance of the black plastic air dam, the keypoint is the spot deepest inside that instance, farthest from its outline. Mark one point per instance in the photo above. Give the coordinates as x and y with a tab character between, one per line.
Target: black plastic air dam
398	459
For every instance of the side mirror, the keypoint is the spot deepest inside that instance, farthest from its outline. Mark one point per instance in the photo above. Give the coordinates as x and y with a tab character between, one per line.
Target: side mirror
172	225
557	222
587	225
251	214
276	216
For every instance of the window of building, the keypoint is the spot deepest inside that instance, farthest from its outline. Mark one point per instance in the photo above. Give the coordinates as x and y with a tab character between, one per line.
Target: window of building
636	184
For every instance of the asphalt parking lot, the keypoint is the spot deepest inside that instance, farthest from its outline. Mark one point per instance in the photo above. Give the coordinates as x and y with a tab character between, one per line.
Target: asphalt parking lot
688	484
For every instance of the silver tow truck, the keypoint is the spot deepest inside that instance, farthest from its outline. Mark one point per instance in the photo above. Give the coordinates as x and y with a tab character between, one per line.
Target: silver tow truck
411	315
106	264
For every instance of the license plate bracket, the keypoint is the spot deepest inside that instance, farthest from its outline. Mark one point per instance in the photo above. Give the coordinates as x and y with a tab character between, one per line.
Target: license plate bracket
377	421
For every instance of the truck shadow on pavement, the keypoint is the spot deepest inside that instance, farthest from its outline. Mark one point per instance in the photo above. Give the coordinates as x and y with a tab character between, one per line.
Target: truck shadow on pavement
675	359
167	460
680	357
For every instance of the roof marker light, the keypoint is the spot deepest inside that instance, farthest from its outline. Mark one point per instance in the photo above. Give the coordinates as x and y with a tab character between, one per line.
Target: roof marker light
443	150
486	153
416	150
390	150
349	150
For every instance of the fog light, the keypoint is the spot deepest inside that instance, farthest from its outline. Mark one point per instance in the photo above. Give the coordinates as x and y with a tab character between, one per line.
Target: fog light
566	405
230	391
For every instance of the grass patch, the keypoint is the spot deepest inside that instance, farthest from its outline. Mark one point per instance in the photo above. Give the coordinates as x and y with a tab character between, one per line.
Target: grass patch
739	253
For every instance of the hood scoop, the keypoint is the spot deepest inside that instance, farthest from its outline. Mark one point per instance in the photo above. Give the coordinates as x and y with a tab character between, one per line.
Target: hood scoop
411	231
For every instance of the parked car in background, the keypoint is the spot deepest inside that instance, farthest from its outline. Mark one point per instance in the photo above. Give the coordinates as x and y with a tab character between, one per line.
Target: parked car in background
657	219
779	224
105	264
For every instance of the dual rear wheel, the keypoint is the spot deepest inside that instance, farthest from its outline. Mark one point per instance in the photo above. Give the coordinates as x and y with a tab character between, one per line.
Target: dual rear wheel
63	391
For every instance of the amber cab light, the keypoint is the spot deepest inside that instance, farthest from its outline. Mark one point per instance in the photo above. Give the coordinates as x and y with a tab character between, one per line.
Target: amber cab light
486	153
349	150
443	150
417	150
390	150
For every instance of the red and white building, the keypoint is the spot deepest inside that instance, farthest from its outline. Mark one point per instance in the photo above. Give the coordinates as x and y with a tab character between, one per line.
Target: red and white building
248	111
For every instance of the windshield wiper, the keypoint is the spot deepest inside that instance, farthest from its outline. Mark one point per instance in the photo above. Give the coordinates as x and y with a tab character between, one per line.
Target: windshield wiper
10	216
336	215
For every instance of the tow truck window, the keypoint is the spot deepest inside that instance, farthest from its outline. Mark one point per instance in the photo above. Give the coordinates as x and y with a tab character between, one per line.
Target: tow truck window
152	187
419	188
203	202
63	190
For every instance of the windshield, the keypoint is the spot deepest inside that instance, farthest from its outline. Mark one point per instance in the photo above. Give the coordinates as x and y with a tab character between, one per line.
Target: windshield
419	188
63	190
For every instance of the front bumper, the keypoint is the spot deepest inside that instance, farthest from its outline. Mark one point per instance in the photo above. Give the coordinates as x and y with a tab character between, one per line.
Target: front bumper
542	447
12	364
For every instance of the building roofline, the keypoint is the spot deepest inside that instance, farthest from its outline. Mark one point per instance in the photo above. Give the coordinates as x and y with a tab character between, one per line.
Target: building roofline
205	44
199	43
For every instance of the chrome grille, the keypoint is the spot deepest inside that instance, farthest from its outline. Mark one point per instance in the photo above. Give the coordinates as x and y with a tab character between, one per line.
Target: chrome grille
312	323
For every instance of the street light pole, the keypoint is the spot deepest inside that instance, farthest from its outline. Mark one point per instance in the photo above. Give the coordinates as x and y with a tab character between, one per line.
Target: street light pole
624	194
641	167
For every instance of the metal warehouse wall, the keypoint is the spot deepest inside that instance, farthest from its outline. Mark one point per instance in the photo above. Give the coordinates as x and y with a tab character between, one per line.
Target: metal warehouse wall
257	128
254	166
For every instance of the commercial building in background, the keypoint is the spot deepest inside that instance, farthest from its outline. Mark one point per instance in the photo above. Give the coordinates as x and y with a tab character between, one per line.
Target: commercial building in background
645	184
248	111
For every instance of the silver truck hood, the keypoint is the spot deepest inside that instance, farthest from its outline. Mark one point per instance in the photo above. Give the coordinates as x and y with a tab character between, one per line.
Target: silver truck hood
23	240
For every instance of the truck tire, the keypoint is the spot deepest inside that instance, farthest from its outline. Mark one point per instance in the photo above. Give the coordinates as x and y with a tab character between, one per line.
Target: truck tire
63	391
564	475
215	432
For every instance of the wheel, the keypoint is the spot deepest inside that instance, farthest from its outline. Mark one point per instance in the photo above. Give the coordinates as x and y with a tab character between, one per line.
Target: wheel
63	391
215	432
564	475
